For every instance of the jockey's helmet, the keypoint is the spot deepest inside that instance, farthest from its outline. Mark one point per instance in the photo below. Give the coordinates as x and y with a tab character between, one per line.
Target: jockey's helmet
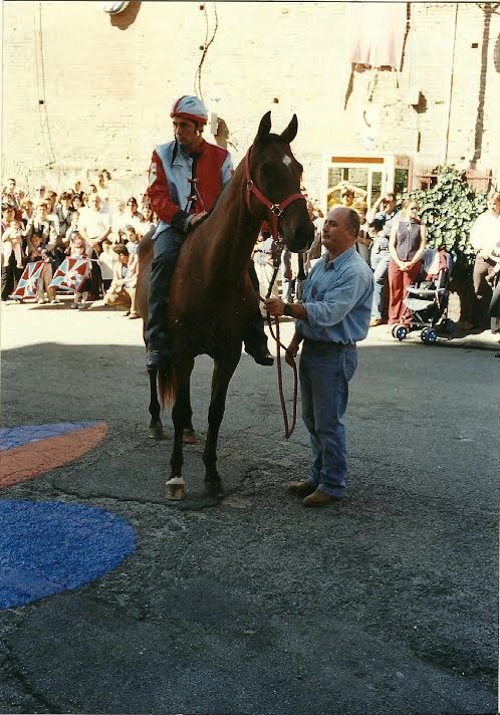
191	108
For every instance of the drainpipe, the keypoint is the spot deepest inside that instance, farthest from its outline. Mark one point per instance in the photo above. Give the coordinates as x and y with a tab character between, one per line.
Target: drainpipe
452	79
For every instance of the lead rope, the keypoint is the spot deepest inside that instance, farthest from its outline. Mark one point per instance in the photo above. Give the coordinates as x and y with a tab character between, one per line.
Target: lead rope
276	335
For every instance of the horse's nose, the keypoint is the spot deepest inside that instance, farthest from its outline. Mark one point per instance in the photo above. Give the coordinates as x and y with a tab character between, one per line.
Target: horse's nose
303	236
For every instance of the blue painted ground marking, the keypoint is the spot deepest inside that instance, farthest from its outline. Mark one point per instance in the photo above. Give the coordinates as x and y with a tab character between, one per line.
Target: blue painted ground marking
50	547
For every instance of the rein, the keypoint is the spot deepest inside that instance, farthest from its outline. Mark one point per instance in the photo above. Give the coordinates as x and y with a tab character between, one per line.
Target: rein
276	211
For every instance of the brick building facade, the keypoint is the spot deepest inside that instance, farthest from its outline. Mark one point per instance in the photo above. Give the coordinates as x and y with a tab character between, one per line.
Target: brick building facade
84	90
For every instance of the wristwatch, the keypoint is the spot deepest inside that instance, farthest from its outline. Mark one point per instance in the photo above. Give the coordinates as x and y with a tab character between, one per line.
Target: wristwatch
287	310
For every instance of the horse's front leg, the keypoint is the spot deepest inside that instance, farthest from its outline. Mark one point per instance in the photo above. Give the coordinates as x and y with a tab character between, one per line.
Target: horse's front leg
223	372
181	416
155	426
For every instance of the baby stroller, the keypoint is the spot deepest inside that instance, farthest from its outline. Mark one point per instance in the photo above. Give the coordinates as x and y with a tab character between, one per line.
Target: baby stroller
427	300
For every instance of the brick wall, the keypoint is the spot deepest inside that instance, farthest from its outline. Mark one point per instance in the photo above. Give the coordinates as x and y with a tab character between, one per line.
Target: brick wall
107	83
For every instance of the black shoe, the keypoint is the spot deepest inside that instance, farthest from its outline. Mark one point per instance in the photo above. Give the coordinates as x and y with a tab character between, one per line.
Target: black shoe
260	354
155	359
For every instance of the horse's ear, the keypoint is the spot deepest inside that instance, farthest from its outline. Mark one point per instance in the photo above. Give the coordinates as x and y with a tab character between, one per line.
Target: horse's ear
289	134
264	126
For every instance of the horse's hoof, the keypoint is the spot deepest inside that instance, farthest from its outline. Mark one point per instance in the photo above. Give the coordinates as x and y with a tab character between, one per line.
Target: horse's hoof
157	432
215	489
189	436
174	489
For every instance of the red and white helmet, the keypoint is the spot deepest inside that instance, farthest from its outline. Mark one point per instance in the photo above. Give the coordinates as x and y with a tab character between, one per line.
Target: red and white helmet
190	108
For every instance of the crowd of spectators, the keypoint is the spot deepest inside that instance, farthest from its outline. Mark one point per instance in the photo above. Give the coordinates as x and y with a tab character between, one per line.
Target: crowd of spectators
88	222
94	222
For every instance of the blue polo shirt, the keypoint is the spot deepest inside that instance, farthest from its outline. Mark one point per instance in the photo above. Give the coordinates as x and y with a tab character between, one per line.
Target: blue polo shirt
337	297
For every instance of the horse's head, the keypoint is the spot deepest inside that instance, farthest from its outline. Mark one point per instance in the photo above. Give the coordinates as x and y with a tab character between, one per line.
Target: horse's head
273	185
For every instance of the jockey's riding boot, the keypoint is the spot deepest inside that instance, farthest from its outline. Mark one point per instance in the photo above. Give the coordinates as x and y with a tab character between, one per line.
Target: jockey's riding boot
156	335
255	341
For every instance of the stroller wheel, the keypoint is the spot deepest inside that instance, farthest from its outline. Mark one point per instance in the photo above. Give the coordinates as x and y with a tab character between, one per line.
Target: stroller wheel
429	336
400	332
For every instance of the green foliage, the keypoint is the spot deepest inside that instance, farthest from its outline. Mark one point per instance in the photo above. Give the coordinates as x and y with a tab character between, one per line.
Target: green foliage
448	209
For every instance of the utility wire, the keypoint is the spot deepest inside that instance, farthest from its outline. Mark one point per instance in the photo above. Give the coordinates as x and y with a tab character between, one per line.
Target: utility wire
40	83
206	45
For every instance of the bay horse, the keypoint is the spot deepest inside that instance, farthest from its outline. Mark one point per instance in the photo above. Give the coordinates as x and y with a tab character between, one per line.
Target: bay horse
211	295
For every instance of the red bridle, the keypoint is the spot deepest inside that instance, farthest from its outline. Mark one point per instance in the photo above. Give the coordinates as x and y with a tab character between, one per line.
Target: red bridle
275	209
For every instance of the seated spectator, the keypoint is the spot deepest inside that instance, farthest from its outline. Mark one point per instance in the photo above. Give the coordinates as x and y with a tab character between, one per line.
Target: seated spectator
117	293
37	251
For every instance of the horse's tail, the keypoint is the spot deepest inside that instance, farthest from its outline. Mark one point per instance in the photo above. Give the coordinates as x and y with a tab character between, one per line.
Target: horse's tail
166	384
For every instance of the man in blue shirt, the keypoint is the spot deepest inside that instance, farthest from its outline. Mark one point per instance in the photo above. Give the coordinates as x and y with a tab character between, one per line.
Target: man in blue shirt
333	316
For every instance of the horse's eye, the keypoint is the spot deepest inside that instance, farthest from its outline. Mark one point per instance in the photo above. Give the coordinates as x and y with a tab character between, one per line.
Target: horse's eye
267	169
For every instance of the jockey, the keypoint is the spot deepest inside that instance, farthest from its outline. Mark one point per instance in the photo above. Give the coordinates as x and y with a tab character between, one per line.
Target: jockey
185	178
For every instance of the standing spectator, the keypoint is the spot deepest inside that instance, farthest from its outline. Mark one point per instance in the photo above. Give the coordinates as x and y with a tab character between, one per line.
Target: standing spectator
42	226
364	242
264	256
27	211
10	272
80	296
39	193
131	240
332	318
380	220
103	187
132	217
379	261
77	203
148	223
73	228
118	219
484	238
10	196
107	261
64	212
348	193
95	227
406	246
13	242
289	269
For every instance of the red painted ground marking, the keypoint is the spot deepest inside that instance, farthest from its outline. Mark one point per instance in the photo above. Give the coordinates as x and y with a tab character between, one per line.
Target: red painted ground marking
35	458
